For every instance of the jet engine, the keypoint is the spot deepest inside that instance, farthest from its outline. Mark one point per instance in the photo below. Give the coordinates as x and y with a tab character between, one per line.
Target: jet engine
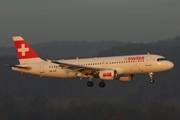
108	75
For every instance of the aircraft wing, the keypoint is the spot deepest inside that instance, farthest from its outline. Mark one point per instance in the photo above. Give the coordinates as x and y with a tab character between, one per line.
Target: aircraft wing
83	69
19	66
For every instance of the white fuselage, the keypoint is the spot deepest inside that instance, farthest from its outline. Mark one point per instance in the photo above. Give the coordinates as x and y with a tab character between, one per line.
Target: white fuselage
124	65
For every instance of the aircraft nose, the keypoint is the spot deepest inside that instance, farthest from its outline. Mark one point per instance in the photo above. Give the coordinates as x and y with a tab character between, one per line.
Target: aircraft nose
170	65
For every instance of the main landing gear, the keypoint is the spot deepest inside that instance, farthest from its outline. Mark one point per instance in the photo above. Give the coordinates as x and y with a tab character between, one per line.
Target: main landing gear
90	83
151	77
101	84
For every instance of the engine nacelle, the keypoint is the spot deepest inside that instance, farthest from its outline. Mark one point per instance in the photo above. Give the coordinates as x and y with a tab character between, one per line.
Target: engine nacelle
126	78
108	75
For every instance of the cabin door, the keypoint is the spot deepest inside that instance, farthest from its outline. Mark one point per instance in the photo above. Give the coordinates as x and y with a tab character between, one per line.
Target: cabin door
148	60
41	69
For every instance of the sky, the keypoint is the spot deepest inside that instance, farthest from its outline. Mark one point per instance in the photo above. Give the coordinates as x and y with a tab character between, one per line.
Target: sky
89	20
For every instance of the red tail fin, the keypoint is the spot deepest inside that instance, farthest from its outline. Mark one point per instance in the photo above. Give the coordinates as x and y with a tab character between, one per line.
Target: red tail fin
25	53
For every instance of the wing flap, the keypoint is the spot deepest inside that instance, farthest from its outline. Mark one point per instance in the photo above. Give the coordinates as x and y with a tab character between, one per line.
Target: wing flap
83	69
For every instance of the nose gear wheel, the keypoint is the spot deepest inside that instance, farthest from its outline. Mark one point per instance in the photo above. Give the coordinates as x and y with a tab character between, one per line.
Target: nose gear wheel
151	77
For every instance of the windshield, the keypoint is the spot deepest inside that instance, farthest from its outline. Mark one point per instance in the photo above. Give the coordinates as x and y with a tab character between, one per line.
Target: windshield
161	59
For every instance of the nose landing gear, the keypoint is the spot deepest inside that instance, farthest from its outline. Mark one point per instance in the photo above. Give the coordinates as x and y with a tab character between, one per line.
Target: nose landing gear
151	77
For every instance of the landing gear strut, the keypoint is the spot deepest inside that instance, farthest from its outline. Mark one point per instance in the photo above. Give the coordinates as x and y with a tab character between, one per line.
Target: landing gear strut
151	77
102	84
90	82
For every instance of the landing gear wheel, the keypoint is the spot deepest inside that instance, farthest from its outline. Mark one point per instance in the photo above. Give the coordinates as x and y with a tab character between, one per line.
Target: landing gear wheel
151	81
90	84
151	77
102	84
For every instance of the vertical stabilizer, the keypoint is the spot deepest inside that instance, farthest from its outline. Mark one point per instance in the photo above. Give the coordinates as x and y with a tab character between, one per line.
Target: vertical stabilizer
24	52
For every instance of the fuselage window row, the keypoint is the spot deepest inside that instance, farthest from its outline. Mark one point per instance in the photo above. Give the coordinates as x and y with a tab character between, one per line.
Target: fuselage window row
88	64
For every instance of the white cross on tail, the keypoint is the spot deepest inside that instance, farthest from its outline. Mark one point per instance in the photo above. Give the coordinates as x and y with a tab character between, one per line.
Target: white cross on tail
23	50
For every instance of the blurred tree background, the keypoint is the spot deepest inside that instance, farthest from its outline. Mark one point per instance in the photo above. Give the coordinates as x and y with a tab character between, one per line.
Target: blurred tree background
29	97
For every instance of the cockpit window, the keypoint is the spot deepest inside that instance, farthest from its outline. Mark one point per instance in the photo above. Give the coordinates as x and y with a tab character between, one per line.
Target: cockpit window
161	59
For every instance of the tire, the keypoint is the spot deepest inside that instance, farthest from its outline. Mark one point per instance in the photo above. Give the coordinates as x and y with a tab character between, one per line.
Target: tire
102	84
151	81
90	84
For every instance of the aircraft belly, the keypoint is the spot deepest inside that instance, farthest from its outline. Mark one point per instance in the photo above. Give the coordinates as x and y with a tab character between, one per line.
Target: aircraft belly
147	69
61	73
35	70
135	69
66	74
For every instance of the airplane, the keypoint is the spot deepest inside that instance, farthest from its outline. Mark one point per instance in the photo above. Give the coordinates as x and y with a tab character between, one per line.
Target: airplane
122	68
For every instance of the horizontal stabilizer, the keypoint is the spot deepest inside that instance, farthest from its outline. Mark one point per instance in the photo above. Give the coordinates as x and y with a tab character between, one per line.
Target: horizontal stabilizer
19	66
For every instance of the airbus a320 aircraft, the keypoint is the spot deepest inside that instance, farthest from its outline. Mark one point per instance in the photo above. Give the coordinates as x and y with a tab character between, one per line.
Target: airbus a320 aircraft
121	68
